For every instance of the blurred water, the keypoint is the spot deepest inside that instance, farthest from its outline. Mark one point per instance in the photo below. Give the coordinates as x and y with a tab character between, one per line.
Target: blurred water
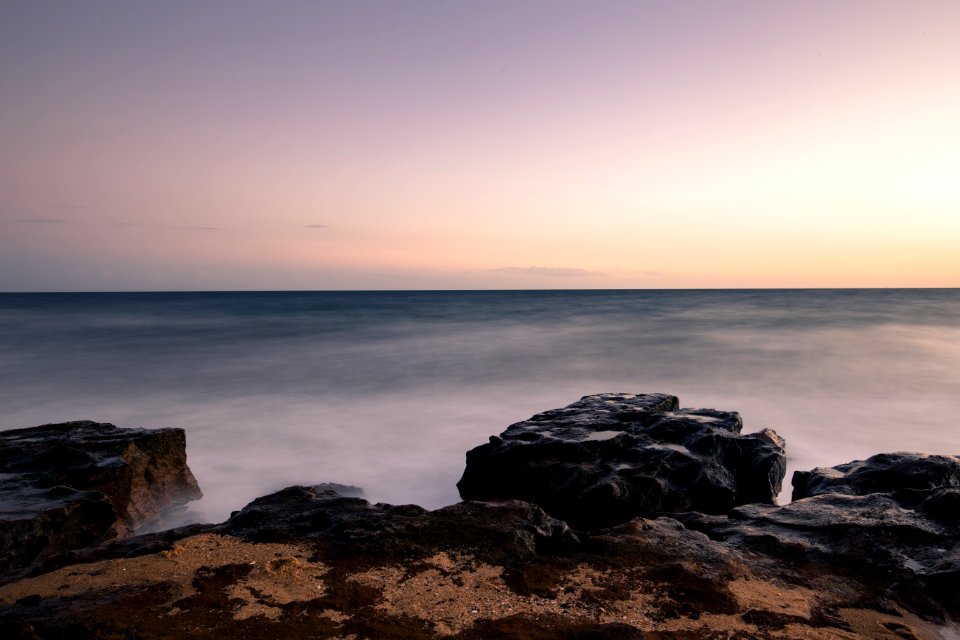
387	390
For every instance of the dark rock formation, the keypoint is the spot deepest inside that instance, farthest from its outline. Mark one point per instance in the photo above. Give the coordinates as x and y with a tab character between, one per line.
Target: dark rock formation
882	473
71	485
902	544
508	570
509	530
611	457
868	549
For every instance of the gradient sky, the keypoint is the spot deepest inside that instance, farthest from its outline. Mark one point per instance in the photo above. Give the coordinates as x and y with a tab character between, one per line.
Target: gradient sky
464	145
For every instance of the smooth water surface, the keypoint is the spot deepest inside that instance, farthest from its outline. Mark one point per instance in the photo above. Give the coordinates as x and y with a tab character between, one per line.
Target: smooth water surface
387	390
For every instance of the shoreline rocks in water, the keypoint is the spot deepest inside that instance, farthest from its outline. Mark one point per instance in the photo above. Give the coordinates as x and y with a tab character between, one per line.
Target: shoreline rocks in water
71	485
882	473
871	549
612	457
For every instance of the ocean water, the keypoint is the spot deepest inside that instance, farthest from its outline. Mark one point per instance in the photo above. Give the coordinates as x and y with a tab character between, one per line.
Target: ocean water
388	390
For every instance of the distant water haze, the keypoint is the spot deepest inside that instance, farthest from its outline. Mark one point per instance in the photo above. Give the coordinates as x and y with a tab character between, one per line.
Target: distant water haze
388	390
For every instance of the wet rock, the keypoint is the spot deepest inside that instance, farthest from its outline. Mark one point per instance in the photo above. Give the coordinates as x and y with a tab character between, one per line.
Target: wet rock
68	486
611	457
882	473
903	544
319	512
503	531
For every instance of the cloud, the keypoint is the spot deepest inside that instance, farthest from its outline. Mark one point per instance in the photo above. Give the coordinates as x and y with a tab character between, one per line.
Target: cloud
69	205
148	225
652	274
550	272
316	226
42	221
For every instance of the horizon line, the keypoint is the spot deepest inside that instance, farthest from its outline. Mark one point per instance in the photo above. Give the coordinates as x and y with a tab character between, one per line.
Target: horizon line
518	290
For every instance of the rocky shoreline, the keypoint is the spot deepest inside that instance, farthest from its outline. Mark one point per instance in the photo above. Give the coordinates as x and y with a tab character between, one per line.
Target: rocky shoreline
619	516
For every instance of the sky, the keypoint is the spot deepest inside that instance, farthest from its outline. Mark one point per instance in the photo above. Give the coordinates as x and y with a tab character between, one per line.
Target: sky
478	145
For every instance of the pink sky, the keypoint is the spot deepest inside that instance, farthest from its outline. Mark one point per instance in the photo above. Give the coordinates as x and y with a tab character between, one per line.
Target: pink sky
420	145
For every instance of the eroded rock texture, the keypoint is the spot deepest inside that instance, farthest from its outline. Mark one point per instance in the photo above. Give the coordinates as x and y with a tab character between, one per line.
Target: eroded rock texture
892	522
68	486
882	473
612	457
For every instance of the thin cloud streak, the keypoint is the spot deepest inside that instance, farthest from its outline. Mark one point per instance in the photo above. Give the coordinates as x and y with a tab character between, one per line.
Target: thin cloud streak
145	225
42	221
550	272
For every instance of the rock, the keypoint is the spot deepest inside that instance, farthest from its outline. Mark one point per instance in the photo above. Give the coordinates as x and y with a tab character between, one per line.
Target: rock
871	550
692	572
882	473
892	522
508	531
68	486
316	512
611	457
771	436
345	490
323	565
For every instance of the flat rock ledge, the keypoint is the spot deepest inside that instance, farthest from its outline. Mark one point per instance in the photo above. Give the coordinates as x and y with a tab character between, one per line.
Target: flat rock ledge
870	550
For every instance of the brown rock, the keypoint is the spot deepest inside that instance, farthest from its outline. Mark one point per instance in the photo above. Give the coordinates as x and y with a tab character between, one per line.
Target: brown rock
68	486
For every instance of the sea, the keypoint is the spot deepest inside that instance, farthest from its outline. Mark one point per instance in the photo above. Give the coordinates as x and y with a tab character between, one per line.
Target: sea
388	390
